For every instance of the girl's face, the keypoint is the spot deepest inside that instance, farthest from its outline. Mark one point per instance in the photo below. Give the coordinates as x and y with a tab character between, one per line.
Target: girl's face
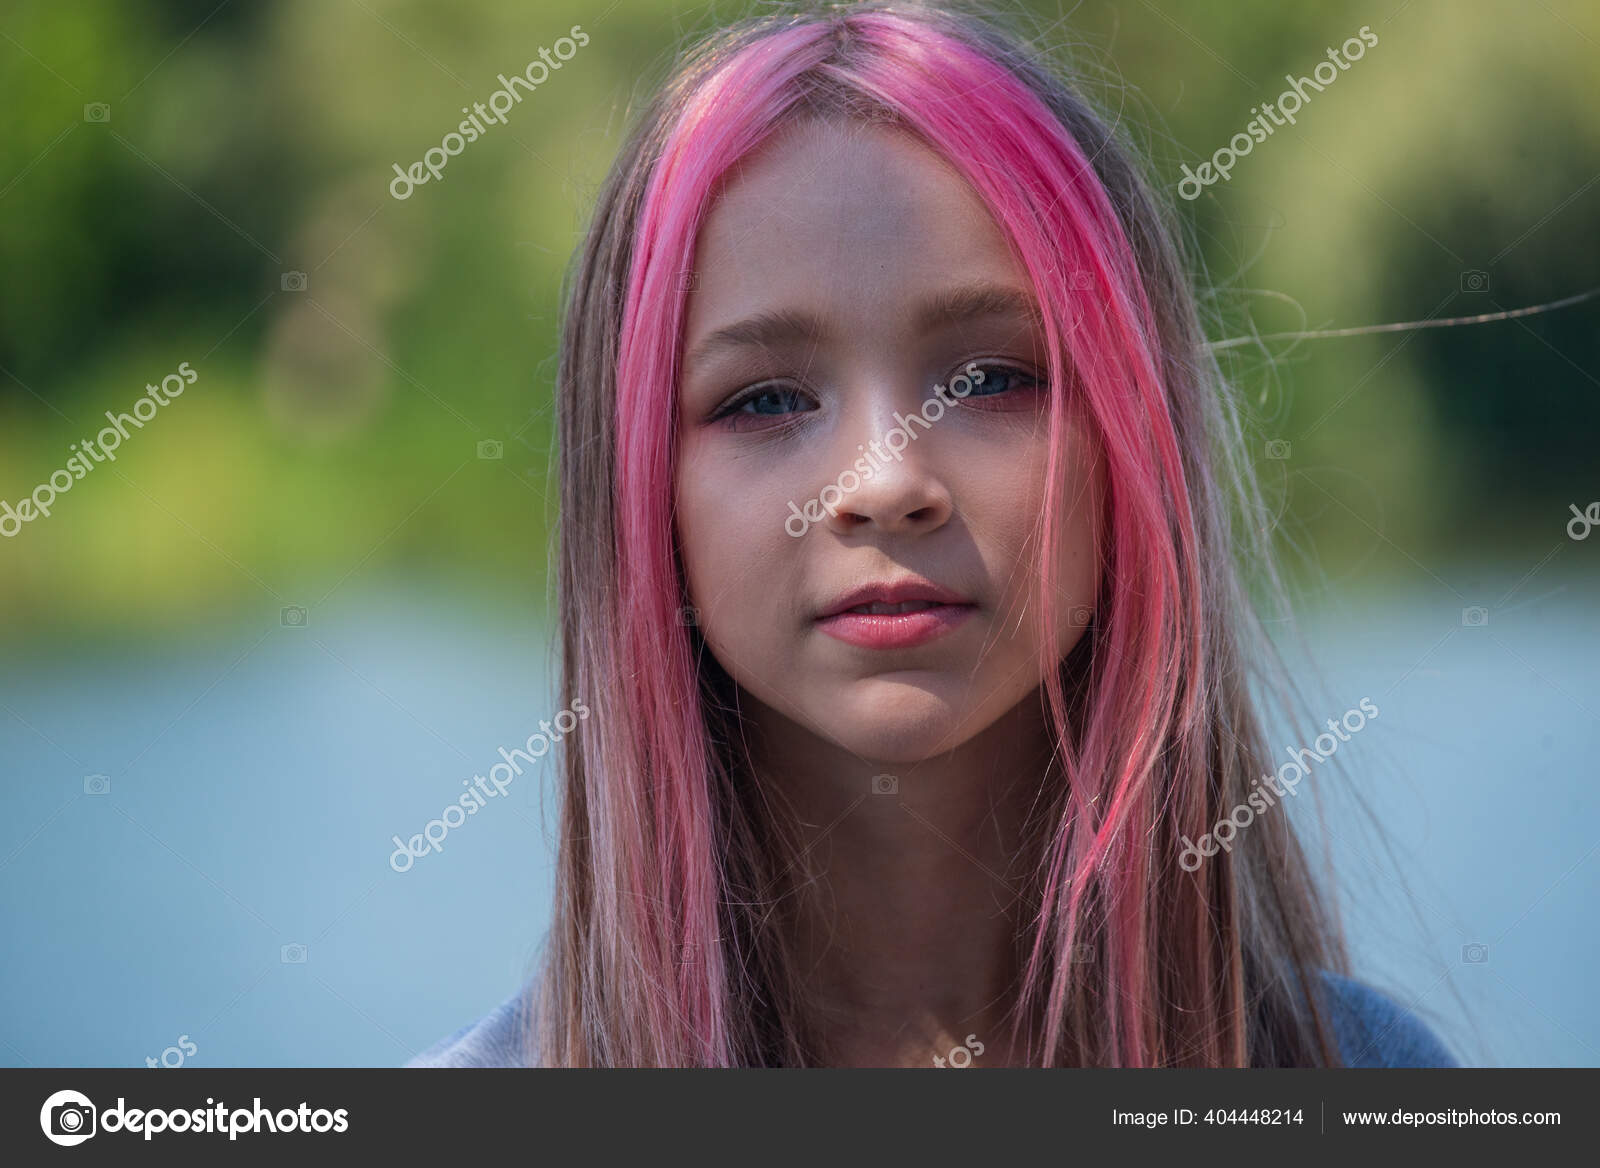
842	275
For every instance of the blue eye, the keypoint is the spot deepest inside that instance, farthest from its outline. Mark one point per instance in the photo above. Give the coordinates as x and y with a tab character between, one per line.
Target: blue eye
772	403
1001	379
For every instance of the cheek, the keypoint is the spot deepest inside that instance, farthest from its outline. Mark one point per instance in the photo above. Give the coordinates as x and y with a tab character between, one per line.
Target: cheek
700	530
737	567
1007	525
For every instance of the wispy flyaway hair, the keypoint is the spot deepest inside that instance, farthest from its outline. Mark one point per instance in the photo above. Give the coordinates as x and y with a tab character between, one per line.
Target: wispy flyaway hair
678	873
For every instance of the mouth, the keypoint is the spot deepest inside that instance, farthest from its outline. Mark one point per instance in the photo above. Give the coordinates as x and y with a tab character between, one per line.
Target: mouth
879	608
895	616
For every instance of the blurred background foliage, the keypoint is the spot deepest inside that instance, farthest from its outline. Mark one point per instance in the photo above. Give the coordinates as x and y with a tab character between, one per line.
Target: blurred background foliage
333	438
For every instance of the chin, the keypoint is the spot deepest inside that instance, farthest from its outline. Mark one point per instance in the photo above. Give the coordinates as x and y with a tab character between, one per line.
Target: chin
902	722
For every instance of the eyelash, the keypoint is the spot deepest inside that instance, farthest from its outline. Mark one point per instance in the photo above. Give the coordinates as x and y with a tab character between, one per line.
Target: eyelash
732	410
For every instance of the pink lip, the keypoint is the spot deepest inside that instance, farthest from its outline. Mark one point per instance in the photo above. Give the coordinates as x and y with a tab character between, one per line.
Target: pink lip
901	630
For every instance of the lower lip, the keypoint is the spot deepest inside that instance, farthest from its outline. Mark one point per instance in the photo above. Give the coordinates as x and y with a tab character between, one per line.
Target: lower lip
895	630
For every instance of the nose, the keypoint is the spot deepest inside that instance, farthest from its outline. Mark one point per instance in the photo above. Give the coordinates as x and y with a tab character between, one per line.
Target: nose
901	492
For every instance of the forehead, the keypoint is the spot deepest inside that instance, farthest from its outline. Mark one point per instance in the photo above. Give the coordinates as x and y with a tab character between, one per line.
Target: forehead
829	207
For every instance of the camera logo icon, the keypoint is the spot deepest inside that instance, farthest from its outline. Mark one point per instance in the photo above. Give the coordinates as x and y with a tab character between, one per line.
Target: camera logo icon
885	785
1475	954
97	111
688	281
67	1118
490	448
293	617
292	955
1278	448
1081	280
688	616
97	784
1474	616
1080	616
1473	280
293	282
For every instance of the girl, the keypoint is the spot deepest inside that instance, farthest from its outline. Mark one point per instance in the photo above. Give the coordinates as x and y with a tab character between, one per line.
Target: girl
900	503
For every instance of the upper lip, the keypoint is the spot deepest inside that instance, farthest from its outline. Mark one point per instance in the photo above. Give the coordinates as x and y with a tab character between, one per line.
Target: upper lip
893	592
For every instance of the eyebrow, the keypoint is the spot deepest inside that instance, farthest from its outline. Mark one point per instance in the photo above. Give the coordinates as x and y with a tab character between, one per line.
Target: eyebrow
952	305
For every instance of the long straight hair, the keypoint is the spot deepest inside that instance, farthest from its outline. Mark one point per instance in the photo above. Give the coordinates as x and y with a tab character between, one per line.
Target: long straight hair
679	872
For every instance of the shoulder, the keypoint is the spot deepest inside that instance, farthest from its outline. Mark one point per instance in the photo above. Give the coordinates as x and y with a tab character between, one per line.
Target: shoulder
501	1038
1373	1030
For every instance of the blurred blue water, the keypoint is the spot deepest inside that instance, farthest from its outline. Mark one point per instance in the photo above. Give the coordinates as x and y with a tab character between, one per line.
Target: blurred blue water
1471	878
255	782
255	779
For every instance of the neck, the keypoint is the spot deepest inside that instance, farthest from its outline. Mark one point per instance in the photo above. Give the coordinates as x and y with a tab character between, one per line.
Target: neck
907	946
